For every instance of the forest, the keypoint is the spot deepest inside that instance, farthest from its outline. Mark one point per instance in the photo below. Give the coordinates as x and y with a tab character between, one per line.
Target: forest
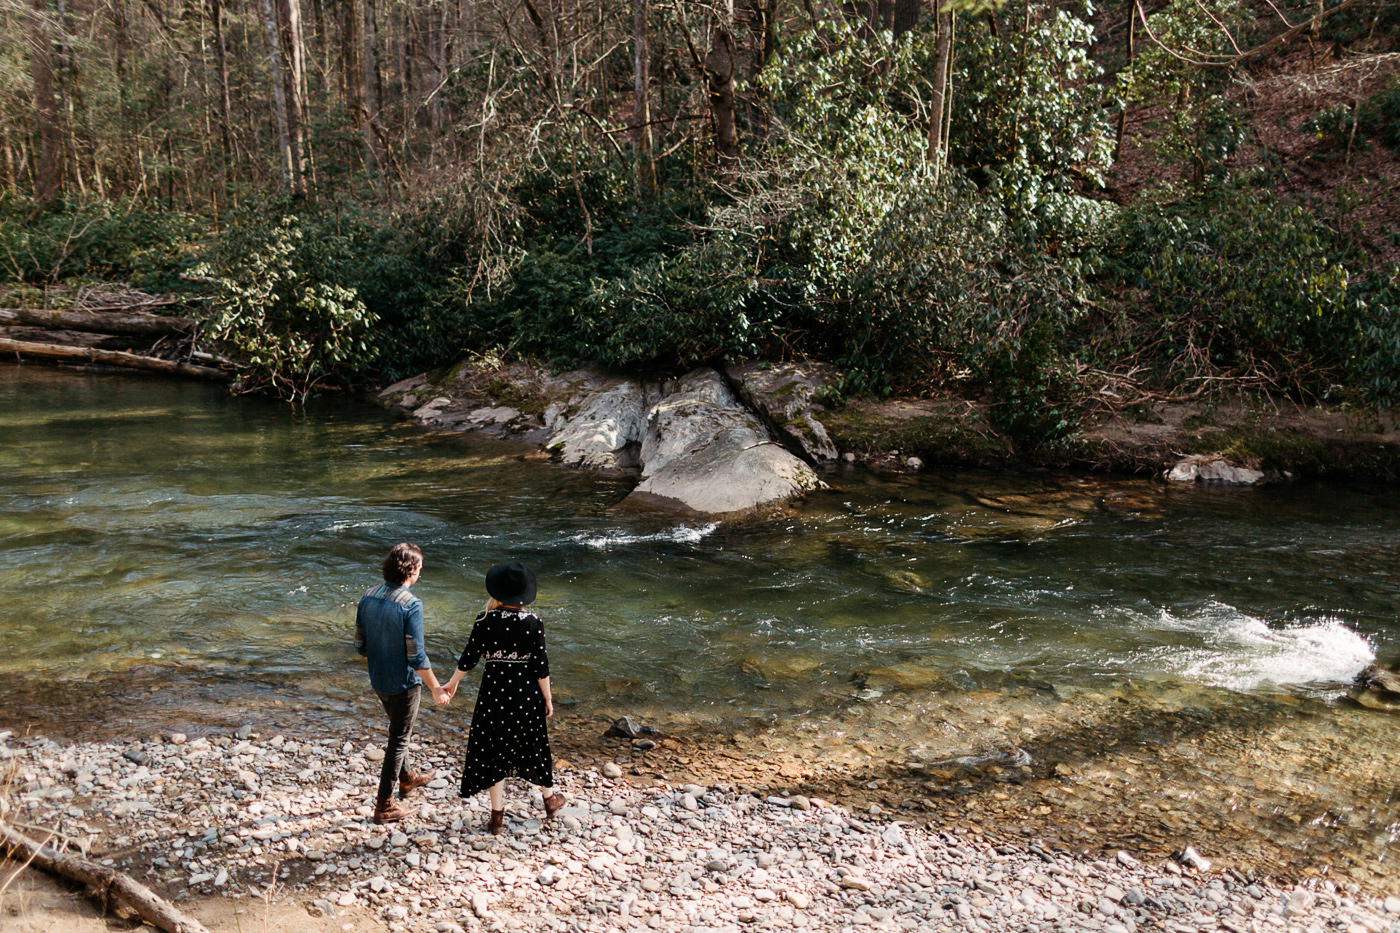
1046	205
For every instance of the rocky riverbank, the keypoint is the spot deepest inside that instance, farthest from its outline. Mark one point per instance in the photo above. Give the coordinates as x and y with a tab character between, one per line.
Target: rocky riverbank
280	825
760	434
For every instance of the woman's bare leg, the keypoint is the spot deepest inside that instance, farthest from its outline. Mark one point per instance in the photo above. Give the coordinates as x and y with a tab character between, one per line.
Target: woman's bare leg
497	792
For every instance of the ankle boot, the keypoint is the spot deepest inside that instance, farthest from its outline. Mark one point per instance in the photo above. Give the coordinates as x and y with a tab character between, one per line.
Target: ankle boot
553	804
498	822
388	810
409	781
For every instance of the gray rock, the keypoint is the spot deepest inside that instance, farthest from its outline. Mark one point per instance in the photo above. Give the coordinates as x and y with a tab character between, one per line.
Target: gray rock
606	432
1201	468
1193	859
784	395
692	411
725	475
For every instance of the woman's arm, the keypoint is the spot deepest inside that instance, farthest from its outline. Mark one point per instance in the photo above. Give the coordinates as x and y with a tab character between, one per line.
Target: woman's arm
548	697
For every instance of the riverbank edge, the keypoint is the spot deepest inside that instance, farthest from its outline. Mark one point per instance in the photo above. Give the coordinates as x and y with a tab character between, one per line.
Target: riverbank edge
305	903
1284	441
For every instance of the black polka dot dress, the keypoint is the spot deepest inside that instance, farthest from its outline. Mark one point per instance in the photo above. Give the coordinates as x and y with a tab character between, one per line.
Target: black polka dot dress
508	737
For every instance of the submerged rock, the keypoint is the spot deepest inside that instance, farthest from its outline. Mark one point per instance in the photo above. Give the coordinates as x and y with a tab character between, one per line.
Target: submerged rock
1376	687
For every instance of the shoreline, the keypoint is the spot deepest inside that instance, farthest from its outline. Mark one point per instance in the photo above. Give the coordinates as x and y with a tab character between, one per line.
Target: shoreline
1105	780
275	827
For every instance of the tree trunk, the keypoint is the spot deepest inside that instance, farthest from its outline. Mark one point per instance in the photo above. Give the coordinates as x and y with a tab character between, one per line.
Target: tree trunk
906	16
942	55
49	148
136	323
279	98
294	79
373	81
106	882
719	68
546	49
53	351
216	16
644	169
1132	55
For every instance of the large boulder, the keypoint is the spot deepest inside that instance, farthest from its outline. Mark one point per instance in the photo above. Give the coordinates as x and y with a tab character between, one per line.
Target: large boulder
600	424
704	452
1199	468
784	395
693	410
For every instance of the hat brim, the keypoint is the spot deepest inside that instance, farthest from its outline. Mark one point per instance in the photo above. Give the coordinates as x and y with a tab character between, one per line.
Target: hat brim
504	584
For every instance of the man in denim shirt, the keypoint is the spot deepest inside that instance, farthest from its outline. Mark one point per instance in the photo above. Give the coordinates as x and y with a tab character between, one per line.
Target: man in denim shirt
389	632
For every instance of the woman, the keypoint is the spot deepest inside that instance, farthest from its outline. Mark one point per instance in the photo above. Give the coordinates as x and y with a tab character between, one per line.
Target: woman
508	737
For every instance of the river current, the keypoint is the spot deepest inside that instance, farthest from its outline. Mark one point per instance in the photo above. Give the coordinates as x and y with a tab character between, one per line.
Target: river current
158	534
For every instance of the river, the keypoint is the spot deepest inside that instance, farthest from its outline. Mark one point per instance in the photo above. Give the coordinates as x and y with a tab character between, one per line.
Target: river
176	556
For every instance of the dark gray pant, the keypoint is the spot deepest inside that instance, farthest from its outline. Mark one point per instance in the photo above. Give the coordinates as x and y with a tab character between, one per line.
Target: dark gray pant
403	712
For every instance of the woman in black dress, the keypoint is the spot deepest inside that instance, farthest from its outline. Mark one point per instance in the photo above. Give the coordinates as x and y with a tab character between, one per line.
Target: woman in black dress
508	737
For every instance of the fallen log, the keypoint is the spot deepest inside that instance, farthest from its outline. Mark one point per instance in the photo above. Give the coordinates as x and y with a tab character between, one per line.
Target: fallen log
137	323
106	883
52	351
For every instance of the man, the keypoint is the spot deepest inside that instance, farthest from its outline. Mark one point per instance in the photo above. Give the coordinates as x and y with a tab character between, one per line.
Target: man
389	632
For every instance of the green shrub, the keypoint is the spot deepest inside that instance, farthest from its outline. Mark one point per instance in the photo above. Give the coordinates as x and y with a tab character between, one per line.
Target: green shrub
1241	280
278	309
95	241
1373	344
1333	126
1379	117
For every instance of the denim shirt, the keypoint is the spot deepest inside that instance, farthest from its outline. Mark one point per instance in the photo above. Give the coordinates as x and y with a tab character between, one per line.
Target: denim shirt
389	631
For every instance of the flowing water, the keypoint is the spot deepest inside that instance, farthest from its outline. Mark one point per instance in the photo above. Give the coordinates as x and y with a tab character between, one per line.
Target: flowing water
172	549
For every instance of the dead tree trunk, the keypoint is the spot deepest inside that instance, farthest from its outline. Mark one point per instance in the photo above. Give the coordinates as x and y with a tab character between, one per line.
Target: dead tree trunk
106	882
131	323
53	351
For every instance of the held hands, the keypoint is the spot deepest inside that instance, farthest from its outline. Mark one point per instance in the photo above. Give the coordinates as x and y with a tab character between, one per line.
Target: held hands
441	696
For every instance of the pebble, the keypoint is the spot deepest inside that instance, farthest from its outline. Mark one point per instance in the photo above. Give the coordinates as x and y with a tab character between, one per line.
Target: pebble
667	858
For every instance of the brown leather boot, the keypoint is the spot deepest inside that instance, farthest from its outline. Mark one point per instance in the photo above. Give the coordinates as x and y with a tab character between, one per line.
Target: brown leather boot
409	781
498	822
389	810
553	804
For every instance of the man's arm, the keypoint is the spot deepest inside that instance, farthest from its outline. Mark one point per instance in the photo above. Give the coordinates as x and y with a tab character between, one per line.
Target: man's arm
418	653
440	696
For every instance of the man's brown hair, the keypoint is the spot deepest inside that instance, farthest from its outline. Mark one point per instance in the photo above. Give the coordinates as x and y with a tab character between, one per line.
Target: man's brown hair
401	562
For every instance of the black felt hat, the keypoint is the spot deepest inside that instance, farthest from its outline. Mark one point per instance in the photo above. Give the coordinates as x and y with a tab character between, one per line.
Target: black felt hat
512	584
